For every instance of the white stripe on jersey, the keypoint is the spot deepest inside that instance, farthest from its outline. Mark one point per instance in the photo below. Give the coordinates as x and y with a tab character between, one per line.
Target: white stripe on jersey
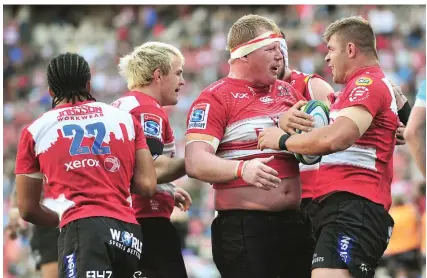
45	129
357	156
242	153
245	130
304	167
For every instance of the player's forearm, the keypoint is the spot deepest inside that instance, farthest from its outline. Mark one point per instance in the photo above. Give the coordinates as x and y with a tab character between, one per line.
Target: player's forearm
310	144
323	141
169	169
39	215
202	164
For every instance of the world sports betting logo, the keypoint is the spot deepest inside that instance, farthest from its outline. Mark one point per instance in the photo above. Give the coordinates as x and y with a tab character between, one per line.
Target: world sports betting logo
126	241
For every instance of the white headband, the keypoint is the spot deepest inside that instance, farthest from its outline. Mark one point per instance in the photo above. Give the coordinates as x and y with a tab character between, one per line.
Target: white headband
284	48
254	44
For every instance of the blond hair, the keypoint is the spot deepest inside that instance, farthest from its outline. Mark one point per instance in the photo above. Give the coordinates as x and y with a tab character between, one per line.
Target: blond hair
353	29
249	27
138	67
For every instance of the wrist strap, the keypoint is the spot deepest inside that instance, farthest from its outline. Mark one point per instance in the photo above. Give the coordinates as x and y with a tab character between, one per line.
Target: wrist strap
282	142
239	169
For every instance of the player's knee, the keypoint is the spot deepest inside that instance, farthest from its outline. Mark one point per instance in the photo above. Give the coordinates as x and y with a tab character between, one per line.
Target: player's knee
49	270
330	273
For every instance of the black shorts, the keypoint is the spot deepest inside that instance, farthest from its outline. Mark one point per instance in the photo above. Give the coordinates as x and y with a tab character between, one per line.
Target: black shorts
352	233
253	244
162	257
100	247
308	206
44	245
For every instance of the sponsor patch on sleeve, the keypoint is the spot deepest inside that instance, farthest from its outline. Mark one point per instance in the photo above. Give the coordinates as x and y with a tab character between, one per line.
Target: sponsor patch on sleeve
152	126
359	94
307	78
199	116
364	81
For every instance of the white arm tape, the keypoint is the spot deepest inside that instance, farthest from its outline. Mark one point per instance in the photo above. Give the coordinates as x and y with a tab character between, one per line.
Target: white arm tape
214	143
33	175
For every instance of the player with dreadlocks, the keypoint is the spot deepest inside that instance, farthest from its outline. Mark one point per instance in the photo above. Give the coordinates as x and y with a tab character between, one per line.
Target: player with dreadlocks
91	156
61	87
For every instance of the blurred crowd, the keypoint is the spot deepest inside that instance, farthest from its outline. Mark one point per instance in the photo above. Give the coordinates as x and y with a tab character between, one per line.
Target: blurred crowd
32	35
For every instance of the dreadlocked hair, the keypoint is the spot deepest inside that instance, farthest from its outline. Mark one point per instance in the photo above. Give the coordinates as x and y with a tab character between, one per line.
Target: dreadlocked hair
67	76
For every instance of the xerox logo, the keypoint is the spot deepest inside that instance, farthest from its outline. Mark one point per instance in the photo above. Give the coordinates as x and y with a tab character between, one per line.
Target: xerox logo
72	165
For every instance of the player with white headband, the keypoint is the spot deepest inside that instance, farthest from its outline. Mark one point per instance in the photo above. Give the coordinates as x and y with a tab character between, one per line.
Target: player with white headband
257	193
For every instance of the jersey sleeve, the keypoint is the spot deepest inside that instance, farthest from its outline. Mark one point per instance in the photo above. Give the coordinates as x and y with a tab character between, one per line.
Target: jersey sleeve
155	125
208	115
169	146
140	141
297	96
26	160
368	93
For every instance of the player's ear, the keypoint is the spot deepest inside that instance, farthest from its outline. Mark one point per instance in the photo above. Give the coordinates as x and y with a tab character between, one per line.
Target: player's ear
351	50
51	93
157	75
88	87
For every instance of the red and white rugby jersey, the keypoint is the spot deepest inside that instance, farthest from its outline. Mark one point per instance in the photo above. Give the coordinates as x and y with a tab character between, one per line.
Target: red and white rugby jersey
159	136
86	153
365	168
234	111
308	173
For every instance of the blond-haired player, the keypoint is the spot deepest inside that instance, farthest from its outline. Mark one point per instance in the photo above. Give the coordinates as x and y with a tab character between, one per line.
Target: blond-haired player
153	72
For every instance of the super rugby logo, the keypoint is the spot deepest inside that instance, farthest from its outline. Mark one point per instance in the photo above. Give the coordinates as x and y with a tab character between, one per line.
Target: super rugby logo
126	241
199	116
152	126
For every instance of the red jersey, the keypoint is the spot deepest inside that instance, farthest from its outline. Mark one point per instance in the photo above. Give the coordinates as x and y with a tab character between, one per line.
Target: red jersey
86	153
301	82
234	111
364	169
160	139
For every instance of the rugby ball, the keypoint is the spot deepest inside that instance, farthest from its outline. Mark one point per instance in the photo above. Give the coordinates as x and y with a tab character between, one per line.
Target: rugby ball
320	113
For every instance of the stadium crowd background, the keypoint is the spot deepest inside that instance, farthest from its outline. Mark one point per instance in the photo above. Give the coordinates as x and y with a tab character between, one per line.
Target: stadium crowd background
32	35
